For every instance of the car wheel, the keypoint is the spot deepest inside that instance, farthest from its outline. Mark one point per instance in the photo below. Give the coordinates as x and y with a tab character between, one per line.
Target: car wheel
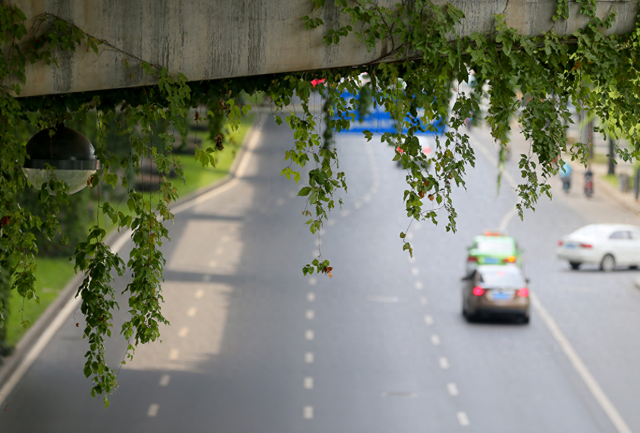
525	319
608	263
575	265
634	267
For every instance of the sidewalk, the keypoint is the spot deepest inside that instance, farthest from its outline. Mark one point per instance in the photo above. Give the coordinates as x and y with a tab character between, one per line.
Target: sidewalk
626	199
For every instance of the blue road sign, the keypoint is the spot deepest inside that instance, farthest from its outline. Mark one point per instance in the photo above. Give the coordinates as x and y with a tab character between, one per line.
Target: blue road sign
379	121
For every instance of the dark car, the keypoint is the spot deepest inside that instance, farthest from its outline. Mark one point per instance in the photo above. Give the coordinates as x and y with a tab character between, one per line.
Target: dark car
496	290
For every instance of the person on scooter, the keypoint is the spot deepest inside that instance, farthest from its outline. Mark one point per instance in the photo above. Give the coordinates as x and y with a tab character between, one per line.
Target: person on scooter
588	182
565	176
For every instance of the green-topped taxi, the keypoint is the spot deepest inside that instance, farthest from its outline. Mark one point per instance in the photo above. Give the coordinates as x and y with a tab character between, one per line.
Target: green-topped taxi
493	248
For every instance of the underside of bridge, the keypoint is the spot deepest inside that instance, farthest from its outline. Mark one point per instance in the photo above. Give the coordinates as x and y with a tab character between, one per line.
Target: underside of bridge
208	40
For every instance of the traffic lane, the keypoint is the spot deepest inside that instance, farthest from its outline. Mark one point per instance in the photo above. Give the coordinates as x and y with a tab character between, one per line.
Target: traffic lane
256	385
578	305
486	351
370	356
596	311
351	248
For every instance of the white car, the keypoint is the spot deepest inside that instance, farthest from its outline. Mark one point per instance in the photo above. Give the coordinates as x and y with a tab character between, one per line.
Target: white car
607	245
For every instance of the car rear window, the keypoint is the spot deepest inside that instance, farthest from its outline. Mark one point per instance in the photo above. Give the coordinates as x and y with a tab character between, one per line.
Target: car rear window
502	277
592	230
496	246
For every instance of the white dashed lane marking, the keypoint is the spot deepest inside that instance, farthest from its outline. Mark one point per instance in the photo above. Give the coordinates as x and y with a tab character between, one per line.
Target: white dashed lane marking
415	271
418	285
311	296
344	213
313	281
463	419
452	389
191	311
309	358
164	380
173	355
308	412
183	332
308	382
435	339
309	335
280	201
428	319
153	410
423	300
444	362
199	294
310	314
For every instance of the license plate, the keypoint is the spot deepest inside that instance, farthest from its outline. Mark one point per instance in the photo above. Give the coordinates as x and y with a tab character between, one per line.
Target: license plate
571	245
490	260
498	296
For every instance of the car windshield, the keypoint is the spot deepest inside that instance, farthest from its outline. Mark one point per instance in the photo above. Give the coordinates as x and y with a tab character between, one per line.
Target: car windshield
501	277
496	246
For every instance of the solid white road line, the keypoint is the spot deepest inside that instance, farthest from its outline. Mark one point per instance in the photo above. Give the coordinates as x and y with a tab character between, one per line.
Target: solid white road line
452	389
418	285
435	340
308	357
191	311
310	314
173	355
577	363
505	220
444	362
183	332
311	296
428	319
199	294
463	419
308	382
164	380
153	410
308	412
309	335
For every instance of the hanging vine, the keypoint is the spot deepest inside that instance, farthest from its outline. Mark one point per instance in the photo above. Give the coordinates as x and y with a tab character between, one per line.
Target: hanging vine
425	78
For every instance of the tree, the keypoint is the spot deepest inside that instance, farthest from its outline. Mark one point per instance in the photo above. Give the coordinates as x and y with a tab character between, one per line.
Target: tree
420	80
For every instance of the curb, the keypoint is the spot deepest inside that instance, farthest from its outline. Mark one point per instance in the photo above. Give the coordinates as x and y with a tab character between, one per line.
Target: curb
24	346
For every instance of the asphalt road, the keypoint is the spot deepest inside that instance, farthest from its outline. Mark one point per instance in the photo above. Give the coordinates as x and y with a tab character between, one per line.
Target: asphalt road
255	347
